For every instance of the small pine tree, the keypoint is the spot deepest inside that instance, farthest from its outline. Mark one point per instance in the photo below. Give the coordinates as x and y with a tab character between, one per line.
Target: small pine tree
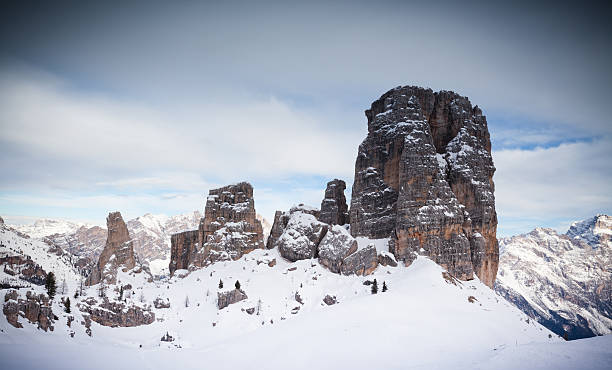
121	293
237	285
76	294
220	284
374	287
258	306
67	305
50	285
384	286
187	301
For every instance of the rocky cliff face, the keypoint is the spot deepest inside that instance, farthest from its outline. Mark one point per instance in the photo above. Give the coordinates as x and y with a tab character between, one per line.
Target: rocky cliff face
334	210
562	281
118	252
423	177
228	230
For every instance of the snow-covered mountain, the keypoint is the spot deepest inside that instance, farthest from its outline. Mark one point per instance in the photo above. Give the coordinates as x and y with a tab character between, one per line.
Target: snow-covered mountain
563	281
45	227
595	231
151	235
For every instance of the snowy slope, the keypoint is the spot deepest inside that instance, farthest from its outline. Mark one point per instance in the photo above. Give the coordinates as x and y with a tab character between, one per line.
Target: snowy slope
61	263
421	316
564	281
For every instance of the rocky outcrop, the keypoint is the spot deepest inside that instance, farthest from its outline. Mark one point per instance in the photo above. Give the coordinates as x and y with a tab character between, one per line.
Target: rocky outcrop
301	233
115	314
423	178
334	210
23	268
183	248
363	262
298	235
335	247
160	302
118	252
224	299
35	308
228	230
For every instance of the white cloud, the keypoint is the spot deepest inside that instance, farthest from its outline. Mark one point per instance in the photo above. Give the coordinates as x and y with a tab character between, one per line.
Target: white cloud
104	138
552	186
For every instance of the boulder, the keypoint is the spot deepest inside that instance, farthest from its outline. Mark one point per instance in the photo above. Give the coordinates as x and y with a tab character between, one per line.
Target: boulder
387	259
224	299
301	235
423	177
161	303
363	262
329	300
335	247
334	210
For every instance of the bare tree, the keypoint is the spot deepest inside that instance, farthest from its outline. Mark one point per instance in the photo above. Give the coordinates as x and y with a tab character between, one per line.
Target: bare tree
64	287
142	297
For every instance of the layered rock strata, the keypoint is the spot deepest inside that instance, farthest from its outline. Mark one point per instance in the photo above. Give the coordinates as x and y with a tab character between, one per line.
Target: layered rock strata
118	252
228	230
334	210
423	178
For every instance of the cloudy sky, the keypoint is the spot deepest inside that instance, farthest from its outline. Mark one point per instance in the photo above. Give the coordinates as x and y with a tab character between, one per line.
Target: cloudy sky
143	107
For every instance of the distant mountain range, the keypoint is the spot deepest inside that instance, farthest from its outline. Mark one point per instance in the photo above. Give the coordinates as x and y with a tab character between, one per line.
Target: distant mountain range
564	281
150	233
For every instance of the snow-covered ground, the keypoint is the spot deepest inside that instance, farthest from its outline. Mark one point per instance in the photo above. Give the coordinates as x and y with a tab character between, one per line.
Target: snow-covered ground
423	321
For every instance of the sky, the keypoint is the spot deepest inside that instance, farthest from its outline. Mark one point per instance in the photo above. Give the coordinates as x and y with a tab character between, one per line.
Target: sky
144	107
